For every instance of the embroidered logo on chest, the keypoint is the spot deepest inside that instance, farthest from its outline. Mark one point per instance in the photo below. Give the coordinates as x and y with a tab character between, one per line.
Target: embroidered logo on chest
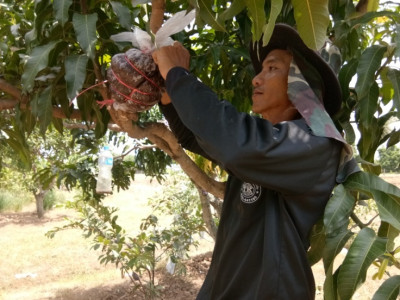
249	192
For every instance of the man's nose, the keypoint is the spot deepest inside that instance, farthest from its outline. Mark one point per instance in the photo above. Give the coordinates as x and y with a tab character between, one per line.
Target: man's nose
256	81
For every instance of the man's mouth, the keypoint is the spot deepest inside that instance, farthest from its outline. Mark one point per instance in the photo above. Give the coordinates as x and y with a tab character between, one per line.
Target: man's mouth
257	92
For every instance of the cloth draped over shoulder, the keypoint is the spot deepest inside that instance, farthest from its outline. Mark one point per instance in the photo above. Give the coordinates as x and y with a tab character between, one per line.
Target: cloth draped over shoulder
309	103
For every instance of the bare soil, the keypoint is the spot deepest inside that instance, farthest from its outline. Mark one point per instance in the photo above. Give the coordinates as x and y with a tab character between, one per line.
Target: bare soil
36	268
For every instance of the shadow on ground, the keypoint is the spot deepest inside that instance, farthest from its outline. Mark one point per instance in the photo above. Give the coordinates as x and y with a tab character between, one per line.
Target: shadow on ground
169	288
106	292
26	218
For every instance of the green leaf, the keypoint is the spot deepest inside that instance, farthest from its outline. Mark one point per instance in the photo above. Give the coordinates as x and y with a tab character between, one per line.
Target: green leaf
389	290
369	63
350	134
334	246
312	19
346	74
386	90
363	251
369	16
276	7
206	13
75	74
389	208
338	210
317	243
85	29
123	14
58	125
388	231
330	284
386	195
397	40
17	142
256	14
37	61
369	105
139	2
394	77
236	7
372	5
61	8
394	139
45	113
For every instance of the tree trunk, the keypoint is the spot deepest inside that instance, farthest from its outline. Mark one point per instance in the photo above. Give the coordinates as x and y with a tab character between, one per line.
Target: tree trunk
207	214
39	197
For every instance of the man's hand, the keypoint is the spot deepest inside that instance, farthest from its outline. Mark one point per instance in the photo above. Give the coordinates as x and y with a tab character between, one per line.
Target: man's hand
171	56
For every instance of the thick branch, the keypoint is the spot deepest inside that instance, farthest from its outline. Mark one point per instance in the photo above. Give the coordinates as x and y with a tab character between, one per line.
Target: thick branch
157	133
59	113
164	139
7	104
10	89
157	15
207	214
362	6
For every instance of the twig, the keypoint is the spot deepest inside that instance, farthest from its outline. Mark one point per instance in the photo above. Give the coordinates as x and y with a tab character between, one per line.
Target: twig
359	223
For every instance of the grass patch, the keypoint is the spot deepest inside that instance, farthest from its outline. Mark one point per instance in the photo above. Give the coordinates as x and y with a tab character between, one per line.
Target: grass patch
13	200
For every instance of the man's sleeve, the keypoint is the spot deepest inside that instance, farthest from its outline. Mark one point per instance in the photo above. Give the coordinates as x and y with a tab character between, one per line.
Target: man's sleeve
285	157
185	137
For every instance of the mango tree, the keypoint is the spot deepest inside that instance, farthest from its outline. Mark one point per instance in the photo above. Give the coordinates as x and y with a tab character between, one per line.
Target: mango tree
54	61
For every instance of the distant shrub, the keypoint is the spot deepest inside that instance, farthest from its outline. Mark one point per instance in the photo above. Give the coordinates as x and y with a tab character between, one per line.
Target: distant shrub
52	198
13	200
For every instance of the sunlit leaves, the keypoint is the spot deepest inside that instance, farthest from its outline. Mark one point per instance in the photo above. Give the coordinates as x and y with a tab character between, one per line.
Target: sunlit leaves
37	61
235	8
207	14
369	63
75	74
397	40
85	29
276	7
257	16
394	76
312	18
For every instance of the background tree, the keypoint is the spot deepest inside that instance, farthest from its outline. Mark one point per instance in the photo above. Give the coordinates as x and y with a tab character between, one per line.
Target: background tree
52	50
389	159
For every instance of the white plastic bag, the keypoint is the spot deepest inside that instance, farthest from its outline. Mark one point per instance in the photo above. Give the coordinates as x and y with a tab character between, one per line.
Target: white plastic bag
142	40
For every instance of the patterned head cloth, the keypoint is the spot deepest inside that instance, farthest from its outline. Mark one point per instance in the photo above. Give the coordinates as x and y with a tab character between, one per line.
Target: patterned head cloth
308	100
313	87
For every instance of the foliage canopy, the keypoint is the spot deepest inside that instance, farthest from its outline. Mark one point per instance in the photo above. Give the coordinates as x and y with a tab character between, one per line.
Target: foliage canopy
53	50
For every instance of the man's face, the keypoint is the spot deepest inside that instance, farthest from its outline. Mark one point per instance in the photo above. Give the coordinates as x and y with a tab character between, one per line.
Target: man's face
270	98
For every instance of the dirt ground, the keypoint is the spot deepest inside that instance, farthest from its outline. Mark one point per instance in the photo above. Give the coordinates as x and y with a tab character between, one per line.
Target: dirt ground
36	268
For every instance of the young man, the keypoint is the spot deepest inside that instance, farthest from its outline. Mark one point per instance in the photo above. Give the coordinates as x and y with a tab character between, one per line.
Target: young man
282	166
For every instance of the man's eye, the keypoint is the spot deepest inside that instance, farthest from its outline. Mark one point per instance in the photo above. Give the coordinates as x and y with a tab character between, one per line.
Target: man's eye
272	68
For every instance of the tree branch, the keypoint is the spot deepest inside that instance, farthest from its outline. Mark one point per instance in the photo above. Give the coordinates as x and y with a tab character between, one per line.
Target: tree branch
10	89
207	214
8	104
157	15
359	223
164	139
